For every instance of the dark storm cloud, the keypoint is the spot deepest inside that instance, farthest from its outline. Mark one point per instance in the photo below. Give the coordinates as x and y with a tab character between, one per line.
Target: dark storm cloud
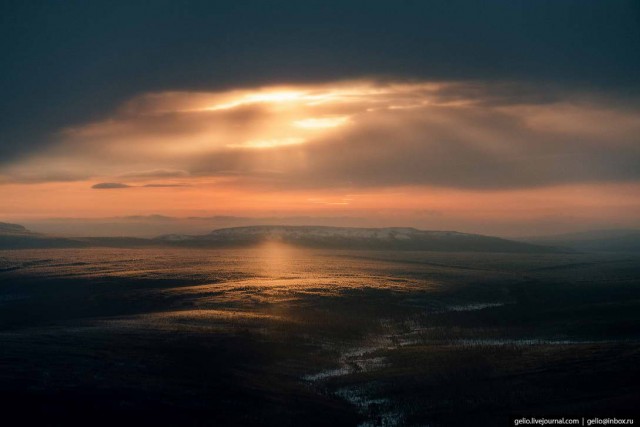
70	62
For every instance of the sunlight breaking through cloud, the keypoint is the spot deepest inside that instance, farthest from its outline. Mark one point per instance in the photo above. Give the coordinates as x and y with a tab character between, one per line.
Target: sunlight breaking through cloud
290	147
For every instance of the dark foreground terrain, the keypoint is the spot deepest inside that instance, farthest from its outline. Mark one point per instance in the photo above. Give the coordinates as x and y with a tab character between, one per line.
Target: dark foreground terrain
286	337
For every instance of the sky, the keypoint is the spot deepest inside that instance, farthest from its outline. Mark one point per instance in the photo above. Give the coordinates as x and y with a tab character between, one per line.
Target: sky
502	117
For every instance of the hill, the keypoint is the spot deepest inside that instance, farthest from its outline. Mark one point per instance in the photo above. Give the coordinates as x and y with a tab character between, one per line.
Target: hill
593	241
15	236
395	238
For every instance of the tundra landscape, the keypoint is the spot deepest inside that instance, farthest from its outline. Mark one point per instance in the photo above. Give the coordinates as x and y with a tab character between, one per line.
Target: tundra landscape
277	333
364	213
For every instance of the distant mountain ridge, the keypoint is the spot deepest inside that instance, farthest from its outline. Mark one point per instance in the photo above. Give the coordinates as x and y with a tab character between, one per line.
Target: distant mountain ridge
616	240
14	236
392	238
8	228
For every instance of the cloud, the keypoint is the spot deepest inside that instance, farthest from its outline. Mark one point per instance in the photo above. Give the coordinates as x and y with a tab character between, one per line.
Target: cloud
356	134
484	148
129	51
117	185
165	185
32	175
109	185
156	173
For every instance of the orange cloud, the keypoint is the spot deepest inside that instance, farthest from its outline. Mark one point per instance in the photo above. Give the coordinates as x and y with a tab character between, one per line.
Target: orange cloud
403	147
